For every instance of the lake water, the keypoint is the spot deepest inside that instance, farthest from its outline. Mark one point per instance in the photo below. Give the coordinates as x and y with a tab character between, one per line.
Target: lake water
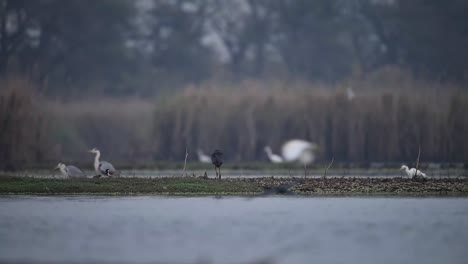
233	230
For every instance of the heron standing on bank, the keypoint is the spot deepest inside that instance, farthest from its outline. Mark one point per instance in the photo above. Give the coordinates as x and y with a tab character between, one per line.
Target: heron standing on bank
217	160
102	167
70	171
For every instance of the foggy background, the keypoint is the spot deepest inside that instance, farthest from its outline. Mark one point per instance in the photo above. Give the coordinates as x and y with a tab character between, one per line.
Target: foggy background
145	80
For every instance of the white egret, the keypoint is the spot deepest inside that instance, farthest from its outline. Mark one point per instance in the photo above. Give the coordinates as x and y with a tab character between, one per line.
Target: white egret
412	172
350	94
299	150
102	167
273	157
70	171
202	157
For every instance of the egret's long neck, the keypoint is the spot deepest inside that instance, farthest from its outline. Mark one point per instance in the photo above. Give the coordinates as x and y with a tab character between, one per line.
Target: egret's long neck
96	160
269	153
63	171
407	170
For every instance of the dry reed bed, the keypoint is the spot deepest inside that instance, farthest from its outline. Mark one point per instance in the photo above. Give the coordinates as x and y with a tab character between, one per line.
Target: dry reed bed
383	127
23	125
240	119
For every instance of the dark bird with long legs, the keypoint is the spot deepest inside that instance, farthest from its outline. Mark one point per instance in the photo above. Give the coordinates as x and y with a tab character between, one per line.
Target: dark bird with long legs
217	160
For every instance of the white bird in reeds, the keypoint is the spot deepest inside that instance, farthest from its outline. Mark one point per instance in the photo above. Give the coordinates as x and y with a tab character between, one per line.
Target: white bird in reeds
299	150
102	167
70	171
350	94
412	172
273	157
202	157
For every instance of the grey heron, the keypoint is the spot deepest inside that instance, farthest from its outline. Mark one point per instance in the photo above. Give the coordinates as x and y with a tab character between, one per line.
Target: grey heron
202	157
217	160
102	167
70	171
412	172
273	157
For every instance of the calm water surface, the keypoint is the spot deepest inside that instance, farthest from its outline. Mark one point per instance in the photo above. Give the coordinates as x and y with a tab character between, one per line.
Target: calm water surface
233	230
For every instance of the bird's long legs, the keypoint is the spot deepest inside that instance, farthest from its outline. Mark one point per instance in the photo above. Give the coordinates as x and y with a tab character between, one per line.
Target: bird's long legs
216	170
219	172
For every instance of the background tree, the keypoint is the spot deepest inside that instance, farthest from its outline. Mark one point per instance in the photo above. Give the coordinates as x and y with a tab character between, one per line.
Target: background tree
125	47
176	30
66	43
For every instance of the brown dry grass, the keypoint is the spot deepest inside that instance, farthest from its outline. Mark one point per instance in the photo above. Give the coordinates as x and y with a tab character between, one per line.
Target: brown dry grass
375	126
23	125
385	122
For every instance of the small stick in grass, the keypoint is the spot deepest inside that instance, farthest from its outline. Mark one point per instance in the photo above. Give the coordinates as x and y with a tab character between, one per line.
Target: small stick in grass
326	169
185	162
417	161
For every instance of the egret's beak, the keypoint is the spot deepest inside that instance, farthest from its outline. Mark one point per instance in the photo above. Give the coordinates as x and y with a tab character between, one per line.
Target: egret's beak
57	167
90	151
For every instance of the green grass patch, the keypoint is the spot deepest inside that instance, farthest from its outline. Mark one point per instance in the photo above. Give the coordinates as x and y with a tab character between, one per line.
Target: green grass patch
177	185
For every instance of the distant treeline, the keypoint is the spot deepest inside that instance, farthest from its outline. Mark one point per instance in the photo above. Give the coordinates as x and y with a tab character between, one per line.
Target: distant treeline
74	48
374	126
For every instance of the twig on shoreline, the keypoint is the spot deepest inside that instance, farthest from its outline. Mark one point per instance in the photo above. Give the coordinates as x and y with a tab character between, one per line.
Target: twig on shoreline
326	169
417	161
185	162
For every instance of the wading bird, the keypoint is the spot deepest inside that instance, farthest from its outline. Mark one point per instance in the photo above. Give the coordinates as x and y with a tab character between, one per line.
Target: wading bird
102	167
412	172
202	157
273	157
217	160
70	171
299	150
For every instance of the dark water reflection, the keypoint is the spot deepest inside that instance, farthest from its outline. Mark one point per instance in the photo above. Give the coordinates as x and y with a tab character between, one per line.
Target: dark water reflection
233	230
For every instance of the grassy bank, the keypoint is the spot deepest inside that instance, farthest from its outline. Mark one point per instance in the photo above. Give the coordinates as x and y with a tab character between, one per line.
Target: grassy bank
124	186
238	186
